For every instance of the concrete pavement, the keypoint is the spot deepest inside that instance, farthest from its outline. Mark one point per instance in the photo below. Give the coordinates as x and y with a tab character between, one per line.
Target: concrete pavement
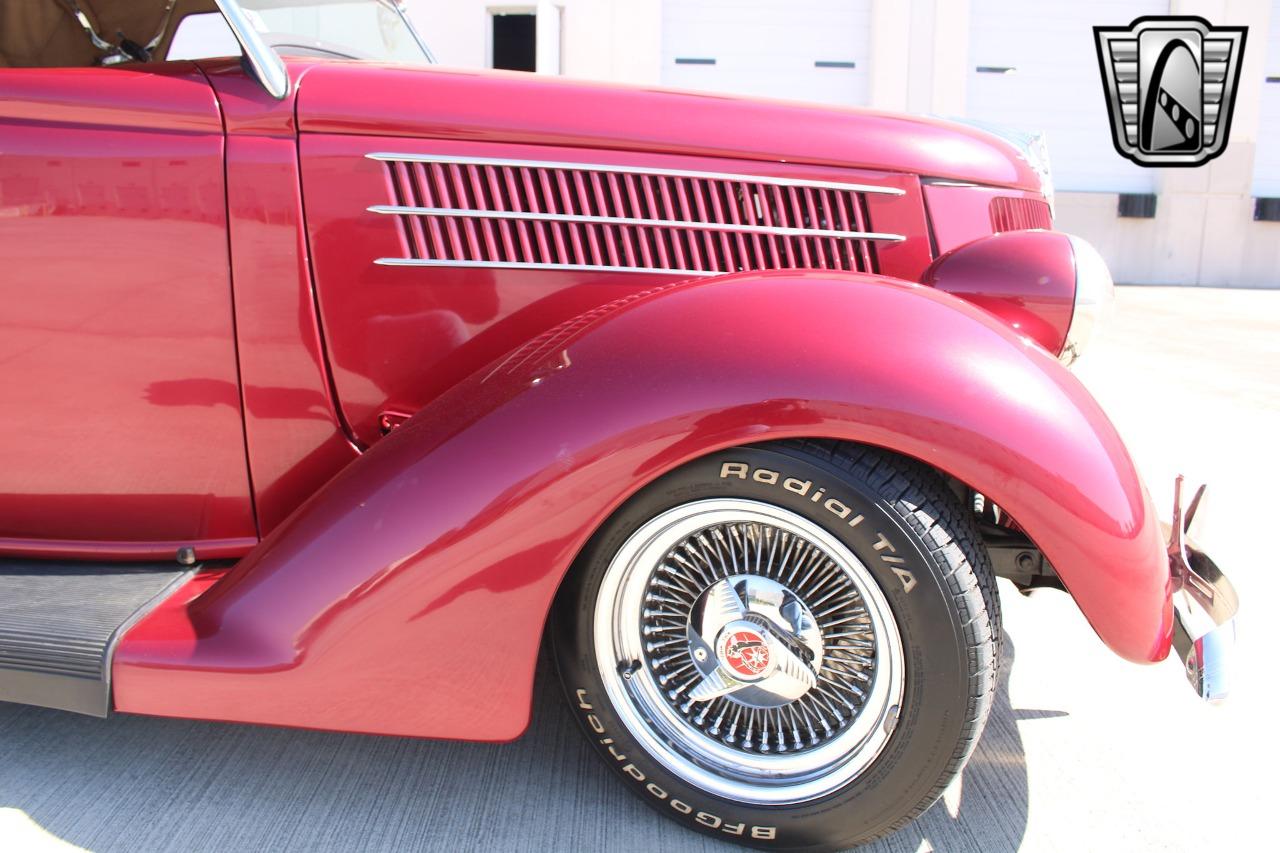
1083	751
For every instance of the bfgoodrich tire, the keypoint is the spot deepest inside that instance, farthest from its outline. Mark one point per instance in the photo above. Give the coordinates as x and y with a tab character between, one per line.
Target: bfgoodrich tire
791	645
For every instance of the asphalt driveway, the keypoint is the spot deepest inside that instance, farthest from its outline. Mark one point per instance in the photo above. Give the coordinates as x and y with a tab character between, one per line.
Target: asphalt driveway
1083	751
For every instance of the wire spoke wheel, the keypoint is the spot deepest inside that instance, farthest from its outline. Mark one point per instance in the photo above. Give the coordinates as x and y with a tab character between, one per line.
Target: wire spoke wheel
733	641
749	650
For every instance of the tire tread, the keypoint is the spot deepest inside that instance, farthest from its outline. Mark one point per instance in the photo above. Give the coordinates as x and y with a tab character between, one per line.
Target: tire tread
924	503
921	498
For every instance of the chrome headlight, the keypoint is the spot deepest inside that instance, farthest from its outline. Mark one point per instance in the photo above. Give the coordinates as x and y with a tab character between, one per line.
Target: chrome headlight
1095	296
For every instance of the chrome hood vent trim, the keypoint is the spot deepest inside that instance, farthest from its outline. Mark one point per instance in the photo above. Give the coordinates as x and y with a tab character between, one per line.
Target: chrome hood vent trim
458	211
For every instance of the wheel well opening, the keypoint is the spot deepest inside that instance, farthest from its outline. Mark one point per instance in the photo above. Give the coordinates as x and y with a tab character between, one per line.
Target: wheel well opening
1014	555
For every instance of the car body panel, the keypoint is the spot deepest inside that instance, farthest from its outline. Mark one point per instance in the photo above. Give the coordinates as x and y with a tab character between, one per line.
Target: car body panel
508	107
1025	278
174	98
960	213
122	434
408	596
404	575
296	440
400	336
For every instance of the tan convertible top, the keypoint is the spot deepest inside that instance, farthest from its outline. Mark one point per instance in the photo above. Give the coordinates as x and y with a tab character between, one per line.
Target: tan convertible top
45	33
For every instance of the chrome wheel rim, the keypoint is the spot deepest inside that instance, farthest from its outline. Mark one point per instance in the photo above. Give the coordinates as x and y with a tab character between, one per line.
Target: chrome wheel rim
749	651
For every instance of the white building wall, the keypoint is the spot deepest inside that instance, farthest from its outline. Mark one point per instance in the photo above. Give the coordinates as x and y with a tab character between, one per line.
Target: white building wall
617	40
818	50
1203	231
1266	170
1025	71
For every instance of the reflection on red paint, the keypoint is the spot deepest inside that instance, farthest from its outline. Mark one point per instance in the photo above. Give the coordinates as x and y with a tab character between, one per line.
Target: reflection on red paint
461	522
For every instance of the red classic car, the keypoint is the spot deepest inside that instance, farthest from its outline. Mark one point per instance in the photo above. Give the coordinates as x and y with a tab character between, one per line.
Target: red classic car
333	382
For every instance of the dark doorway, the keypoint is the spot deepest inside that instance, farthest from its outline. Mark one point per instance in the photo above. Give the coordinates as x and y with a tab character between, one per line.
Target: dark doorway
515	42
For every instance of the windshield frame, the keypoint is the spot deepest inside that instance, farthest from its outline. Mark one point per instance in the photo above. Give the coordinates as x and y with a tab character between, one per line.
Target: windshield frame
268	65
398	8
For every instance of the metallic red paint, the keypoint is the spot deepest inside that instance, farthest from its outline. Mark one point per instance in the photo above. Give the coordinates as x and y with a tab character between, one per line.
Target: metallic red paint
107	551
961	213
400	336
484	106
408	595
392	584
1027	279
295	439
173	97
122	432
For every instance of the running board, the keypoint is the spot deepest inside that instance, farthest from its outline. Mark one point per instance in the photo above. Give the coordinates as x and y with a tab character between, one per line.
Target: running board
60	621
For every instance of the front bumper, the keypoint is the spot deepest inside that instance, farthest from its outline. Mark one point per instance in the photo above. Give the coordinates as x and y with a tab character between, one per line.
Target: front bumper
1204	607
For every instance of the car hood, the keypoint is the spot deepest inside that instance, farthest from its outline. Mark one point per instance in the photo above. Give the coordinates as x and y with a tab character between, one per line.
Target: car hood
494	106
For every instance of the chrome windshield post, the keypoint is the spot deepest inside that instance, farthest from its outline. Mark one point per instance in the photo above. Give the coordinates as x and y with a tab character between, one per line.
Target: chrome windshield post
265	63
399	9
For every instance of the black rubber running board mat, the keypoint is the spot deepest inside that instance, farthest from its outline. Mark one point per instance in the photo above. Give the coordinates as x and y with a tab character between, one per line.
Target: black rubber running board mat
59	622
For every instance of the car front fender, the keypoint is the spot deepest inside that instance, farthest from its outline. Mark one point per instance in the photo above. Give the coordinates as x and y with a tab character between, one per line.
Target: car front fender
409	595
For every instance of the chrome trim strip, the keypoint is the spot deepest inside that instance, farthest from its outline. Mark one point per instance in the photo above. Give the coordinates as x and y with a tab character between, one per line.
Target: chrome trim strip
635	170
774	230
267	65
524	265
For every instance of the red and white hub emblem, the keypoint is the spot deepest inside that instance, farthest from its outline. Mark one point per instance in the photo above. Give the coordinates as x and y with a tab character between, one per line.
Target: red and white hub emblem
743	651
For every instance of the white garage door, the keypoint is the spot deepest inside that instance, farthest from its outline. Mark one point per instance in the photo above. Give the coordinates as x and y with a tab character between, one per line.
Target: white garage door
1034	67
1266	165
808	50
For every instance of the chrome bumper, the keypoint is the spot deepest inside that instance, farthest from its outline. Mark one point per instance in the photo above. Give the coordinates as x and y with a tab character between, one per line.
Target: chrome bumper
1204	607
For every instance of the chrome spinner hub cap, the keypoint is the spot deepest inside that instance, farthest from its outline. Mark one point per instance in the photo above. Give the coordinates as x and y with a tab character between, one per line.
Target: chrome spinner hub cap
749	650
759	643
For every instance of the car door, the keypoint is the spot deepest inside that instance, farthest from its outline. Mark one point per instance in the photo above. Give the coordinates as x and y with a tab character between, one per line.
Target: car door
120	417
